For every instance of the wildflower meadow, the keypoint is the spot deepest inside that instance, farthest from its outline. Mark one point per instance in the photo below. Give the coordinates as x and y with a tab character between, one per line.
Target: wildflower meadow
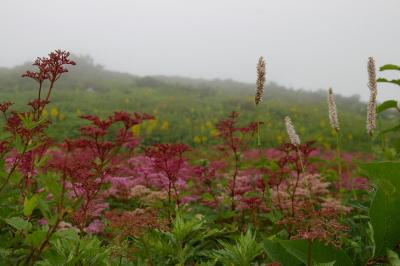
131	188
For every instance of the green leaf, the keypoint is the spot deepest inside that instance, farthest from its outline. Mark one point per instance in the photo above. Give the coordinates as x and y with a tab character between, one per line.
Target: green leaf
44	208
276	252
394	81
19	144
18	223
386	105
332	263
320	253
392	129
384	211
36	238
393	258
389	67
51	181
30	205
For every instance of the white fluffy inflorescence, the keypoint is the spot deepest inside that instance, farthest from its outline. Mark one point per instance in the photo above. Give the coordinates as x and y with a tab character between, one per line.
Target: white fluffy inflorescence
293	137
260	80
371	112
333	116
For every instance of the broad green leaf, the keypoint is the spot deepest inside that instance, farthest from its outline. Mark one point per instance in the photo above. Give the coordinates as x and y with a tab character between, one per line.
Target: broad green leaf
320	253
394	81
276	252
332	263
30	205
18	223
389	67
393	258
36	238
386	105
384	211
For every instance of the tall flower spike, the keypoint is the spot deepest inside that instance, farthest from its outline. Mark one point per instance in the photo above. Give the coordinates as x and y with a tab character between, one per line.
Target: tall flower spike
333	116
371	112
293	137
260	80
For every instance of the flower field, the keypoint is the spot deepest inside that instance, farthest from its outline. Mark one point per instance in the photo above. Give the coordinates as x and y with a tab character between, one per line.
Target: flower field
92	182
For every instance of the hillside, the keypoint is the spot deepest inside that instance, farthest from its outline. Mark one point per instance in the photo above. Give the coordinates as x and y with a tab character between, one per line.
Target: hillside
183	106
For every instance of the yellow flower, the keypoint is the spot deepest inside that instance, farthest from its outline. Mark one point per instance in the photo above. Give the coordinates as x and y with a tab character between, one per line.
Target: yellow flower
197	139
54	112
214	132
136	130
165	125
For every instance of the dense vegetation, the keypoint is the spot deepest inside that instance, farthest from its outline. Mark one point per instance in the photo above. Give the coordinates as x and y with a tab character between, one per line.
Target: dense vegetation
186	110
83	187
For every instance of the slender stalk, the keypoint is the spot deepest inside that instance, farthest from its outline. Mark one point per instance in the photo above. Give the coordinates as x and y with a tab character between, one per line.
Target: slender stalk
258	134
234	180
300	159
297	179
169	202
339	160
15	164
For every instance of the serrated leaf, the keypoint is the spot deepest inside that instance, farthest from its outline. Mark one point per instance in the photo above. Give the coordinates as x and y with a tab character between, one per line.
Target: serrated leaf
384	213
320	253
389	67
386	105
18	223
30	205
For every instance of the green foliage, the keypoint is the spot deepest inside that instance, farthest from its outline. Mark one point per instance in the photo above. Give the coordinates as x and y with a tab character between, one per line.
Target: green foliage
393	81
276	252
384	211
386	105
19	223
393	258
191	107
189	241
69	249
321	253
241	253
30	205
389	67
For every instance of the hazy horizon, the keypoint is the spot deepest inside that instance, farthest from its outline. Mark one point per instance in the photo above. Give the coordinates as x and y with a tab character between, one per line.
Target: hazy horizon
309	44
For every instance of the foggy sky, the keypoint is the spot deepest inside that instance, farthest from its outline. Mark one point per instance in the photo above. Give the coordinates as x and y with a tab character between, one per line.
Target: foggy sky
307	44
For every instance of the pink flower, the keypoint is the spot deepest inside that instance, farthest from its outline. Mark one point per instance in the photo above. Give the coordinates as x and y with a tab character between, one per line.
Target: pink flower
95	227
